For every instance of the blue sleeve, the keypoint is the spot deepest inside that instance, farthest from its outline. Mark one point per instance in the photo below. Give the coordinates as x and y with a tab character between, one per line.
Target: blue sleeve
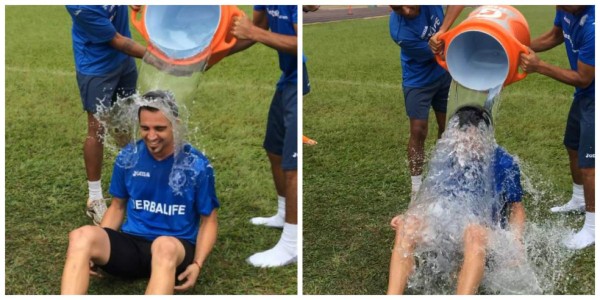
206	197
394	27
293	12
118	187
557	18
511	185
96	25
588	47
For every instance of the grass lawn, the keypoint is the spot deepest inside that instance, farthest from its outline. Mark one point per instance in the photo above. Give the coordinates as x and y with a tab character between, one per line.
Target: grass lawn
356	179
45	179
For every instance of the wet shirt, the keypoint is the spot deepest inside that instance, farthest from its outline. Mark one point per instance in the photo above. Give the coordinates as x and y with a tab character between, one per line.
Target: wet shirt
153	209
419	67
282	19
579	33
94	26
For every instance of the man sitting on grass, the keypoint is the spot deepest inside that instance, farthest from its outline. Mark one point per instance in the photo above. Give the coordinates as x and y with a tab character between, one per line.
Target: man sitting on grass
166	234
473	186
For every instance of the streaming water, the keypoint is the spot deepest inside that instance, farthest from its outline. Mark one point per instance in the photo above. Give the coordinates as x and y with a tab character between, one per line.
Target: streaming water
458	191
460	96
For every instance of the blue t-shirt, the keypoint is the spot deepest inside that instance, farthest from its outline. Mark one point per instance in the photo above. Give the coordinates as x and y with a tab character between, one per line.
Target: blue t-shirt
579	34
94	26
282	19
419	67
153	208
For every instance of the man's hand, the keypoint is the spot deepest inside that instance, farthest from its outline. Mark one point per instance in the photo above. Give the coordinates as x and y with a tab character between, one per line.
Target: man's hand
396	221
436	46
242	28
94	270
530	62
189	277
135	7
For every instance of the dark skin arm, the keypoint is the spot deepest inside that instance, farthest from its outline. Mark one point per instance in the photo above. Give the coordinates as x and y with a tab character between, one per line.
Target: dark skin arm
249	33
127	46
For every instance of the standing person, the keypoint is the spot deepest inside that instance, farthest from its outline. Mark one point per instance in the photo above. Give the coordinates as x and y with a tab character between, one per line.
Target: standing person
102	47
282	131
574	26
424	83
166	234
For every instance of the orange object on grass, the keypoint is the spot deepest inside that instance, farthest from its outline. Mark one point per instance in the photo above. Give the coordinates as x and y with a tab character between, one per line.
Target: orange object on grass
307	140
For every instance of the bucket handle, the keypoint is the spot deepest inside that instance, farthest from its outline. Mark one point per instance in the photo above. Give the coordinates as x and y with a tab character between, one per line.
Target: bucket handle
139	25
441	59
518	75
228	43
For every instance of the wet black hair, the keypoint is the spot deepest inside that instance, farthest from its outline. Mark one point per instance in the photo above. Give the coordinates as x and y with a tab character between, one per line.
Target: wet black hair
472	116
168	97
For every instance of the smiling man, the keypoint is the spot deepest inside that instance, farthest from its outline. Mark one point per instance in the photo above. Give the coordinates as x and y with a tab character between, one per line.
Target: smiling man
167	235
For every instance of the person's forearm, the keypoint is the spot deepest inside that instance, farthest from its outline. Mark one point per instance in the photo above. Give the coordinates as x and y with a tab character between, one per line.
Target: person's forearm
567	76
113	218
517	219
547	40
127	46
280	42
240	45
452	13
207	236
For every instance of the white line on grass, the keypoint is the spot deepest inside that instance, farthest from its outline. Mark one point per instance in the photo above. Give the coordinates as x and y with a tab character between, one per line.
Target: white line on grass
370	84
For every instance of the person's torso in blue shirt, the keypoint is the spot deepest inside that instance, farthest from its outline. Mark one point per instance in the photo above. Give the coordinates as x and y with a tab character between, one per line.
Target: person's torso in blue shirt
282	19
579	33
419	67
153	209
93	28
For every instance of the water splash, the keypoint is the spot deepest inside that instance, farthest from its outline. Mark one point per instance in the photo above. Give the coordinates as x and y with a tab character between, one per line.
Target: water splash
459	190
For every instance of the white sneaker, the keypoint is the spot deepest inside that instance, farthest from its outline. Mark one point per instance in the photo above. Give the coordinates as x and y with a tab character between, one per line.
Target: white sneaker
95	210
582	239
571	206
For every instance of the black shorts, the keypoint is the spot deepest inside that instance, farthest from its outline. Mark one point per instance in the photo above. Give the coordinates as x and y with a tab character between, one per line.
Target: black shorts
131	257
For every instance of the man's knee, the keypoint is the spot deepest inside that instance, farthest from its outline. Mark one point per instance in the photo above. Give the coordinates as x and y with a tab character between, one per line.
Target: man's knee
418	131
588	172
475	239
165	249
82	239
408	233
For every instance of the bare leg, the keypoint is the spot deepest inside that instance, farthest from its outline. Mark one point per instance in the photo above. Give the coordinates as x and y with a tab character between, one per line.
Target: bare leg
278	176
87	243
589	188
291	197
403	261
93	149
574	165
471	273
167	254
416	145
440	117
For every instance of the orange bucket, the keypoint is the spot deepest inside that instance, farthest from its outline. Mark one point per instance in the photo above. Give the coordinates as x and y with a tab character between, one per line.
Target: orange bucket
187	35
483	51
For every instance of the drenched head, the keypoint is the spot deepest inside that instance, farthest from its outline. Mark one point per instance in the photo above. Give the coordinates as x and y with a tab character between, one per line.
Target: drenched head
157	114
472	116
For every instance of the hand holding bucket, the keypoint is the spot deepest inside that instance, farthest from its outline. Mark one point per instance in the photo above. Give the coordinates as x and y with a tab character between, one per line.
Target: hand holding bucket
483	51
186	38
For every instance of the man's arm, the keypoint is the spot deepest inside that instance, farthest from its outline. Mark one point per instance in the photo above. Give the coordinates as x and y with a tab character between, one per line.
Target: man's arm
548	40
257	31
452	13
127	46
516	219
581	78
113	218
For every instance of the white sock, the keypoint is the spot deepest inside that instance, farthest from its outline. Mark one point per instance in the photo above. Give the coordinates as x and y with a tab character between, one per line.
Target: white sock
577	202
285	252
95	190
274	221
415	185
586	236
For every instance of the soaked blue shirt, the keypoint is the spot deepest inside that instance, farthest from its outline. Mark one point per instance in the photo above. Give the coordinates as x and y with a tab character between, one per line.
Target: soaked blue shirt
153	208
94	26
419	67
282	19
579	33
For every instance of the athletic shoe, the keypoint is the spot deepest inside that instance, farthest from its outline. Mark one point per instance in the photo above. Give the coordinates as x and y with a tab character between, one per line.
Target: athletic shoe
571	206
95	210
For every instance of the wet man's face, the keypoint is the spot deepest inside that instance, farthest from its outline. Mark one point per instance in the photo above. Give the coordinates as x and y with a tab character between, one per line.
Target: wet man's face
407	11
157	133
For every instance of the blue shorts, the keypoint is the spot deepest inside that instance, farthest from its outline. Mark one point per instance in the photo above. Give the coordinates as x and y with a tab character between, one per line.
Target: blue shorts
305	80
580	133
103	90
281	137
418	99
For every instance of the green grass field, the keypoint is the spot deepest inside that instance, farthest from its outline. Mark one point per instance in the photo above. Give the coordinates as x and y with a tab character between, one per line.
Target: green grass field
45	179
356	179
